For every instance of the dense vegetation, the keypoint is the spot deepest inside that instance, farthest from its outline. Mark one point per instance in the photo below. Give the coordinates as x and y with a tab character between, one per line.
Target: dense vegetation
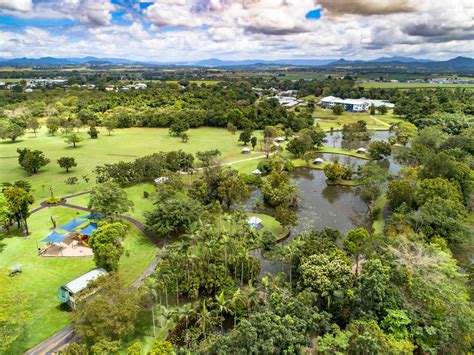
396	288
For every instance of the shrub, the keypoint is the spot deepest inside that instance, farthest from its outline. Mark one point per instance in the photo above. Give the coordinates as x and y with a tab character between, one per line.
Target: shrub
53	200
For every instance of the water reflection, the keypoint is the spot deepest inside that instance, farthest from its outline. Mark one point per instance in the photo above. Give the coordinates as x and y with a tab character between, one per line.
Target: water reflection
321	205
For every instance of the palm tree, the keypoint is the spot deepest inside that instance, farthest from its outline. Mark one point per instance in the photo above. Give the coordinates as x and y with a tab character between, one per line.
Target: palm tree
186	312
237	302
205	319
163	278
243	257
223	306
251	297
151	290
289	250
167	313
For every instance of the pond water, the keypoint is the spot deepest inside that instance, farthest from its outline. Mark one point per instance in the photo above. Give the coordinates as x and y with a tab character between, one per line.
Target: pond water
321	205
334	140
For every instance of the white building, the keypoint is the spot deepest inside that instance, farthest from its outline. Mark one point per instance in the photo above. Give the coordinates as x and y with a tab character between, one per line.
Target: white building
68	293
287	101
354	105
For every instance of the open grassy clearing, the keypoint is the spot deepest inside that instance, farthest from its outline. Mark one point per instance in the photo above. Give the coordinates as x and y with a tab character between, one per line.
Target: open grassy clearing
42	276
379	222
385	85
123	145
327	120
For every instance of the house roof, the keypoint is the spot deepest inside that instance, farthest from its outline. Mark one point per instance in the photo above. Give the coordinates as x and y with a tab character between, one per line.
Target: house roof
81	282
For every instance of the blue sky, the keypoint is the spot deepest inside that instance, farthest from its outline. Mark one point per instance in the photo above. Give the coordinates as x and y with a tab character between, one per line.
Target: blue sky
171	30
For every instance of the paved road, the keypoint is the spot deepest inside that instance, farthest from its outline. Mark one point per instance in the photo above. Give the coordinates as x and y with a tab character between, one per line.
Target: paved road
67	335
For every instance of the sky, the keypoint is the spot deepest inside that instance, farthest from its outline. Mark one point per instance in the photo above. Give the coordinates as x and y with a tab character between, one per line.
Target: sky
188	30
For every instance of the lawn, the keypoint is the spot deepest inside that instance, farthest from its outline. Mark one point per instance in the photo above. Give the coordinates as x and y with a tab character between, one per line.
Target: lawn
327	120
42	276
379	222
123	145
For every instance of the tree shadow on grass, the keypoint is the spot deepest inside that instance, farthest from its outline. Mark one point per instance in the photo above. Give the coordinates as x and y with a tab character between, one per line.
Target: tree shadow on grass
10	142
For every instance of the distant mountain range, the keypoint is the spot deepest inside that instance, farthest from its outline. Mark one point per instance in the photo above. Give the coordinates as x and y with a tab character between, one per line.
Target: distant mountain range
451	64
395	61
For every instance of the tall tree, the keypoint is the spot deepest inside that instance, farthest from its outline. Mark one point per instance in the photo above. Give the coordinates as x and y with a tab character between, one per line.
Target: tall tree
32	160
18	204
33	124
109	199
106	243
357	242
111	314
67	163
245	136
74	139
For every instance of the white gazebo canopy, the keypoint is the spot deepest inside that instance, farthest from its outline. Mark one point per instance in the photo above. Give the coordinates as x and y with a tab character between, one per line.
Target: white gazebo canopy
254	220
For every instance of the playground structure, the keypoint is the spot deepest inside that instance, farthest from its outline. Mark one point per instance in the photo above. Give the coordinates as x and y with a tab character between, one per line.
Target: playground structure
68	244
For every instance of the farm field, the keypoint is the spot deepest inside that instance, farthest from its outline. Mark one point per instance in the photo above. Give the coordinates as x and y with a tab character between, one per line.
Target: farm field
123	145
385	85
42	276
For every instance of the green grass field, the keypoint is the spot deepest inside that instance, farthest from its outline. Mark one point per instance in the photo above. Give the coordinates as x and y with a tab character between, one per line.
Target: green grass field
42	276
123	145
327	120
385	85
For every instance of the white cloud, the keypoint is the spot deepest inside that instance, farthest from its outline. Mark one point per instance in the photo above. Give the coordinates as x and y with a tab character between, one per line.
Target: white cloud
17	5
254	29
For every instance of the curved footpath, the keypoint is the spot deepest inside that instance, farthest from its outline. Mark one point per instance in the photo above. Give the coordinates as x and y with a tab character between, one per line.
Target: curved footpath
67	335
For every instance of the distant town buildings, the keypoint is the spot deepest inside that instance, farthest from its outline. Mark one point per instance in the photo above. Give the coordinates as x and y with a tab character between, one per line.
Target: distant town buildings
38	83
353	105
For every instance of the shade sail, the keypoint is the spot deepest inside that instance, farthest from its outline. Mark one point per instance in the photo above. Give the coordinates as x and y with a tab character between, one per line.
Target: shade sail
93	216
72	225
54	237
89	229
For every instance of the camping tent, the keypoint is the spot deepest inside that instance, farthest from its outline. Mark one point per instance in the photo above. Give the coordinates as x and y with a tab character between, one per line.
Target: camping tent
89	229
54	237
318	161
256	172
74	224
